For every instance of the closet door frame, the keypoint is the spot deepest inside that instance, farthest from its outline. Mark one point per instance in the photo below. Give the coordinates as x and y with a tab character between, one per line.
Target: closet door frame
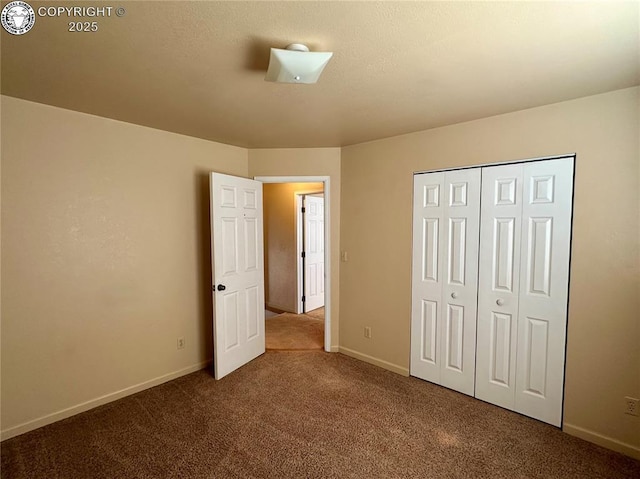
559	376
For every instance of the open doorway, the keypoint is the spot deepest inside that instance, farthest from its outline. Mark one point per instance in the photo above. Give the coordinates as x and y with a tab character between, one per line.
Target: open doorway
297	256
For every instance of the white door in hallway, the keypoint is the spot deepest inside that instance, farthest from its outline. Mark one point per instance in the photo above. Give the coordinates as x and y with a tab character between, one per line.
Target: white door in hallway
524	274
444	283
314	252
237	271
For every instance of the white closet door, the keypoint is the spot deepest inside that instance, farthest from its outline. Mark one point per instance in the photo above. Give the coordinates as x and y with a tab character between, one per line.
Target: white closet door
523	286
428	207
544	288
444	295
459	257
499	277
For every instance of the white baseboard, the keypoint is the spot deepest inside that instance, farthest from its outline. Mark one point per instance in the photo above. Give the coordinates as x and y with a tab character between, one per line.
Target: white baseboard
99	401
375	361
602	440
279	307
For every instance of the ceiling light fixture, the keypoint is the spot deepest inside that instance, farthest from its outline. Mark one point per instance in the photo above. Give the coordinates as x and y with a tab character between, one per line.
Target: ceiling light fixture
296	64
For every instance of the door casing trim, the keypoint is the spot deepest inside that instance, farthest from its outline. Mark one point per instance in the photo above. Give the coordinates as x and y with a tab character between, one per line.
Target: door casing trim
326	180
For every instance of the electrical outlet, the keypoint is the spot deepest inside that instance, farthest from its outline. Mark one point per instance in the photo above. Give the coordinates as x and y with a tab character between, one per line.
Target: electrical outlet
180	343
631	406
367	332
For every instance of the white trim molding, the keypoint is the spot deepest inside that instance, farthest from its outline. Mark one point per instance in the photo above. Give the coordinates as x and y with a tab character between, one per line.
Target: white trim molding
327	240
99	401
602	440
375	361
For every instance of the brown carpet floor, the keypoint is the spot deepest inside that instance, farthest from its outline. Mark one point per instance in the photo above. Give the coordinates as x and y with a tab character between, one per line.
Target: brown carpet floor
316	313
304	415
294	332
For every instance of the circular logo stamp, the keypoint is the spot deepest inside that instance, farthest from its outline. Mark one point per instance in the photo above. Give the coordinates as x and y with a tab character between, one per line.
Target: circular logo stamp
18	17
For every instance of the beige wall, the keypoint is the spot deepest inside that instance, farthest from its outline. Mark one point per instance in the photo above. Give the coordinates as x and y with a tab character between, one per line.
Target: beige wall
105	257
280	243
310	162
603	352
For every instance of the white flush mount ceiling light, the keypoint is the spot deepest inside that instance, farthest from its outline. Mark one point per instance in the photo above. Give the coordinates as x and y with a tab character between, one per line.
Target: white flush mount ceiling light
296	64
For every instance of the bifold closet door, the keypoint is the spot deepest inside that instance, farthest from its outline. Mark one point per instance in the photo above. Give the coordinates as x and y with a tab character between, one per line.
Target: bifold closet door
523	286
499	279
445	278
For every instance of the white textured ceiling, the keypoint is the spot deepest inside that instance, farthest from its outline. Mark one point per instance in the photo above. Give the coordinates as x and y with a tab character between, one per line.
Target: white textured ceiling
198	68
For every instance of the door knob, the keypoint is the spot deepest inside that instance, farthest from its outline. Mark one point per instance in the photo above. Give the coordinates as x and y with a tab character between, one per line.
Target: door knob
221	287
499	302
454	295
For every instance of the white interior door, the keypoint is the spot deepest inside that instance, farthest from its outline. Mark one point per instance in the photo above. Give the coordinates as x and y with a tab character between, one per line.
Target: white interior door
237	272
314	252
444	285
523	286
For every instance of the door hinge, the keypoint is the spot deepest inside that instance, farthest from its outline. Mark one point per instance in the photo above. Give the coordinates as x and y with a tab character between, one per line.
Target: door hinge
304	298
304	254
304	210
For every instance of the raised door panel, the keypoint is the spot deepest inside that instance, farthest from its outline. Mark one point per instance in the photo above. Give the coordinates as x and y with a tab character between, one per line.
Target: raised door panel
544	275
230	320
428	336
251	241
429	248
255	320
229	238
500	364
427	276
498	282
459	259
454	342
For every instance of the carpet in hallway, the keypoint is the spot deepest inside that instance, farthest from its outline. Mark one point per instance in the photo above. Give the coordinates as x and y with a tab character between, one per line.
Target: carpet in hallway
316	313
291	332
